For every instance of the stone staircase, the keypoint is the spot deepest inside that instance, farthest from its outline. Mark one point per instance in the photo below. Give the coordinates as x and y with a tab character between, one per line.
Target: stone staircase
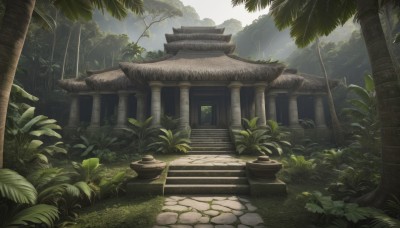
211	142
209	168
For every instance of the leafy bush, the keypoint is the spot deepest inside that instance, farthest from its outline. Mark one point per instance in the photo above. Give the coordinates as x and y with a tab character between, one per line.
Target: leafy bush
90	172
364	125
17	203
98	145
170	123
298	169
331	213
170	142
29	137
143	134
306	148
260	140
307	123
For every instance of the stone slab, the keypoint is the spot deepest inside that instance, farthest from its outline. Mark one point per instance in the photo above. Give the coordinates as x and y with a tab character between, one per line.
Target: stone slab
265	188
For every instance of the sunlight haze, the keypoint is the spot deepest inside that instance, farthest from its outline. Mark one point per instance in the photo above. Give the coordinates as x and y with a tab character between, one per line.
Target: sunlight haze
222	10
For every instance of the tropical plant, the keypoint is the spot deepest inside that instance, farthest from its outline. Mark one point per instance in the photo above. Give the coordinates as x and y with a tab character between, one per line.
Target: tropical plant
57	187
254	139
304	17
251	141
143	134
17	203
24	133
306	147
307	123
331	211
334	158
90	172
352	183
250	124
170	123
298	169
365	126
337	213
98	145
170	142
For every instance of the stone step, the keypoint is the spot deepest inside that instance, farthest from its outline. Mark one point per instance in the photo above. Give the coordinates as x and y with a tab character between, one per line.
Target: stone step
206	173
206	189
211	152
232	166
209	139
211	148
207	180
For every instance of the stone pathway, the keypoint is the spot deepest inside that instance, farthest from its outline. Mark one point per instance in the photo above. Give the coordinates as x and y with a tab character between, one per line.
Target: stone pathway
208	212
208	160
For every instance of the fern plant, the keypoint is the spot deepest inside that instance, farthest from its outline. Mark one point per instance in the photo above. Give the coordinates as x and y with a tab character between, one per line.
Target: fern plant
170	142
298	169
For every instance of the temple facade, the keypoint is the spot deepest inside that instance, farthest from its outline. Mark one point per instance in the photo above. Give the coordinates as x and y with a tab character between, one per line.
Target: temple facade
200	82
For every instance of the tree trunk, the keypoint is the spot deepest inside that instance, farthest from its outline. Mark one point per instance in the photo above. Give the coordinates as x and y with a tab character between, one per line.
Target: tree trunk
65	54
53	47
388	103
336	127
77	51
13	32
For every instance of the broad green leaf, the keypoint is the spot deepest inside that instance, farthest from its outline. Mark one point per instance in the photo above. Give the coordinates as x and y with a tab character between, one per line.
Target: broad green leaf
38	214
16	188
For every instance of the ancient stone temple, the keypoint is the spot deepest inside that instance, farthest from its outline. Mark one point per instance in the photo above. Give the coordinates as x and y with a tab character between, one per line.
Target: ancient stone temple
201	82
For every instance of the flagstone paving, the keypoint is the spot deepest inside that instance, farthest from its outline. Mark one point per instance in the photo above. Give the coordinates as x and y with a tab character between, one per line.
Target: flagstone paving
208	212
208	160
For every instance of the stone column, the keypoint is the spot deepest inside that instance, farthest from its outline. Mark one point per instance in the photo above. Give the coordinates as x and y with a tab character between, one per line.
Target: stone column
140	106
74	112
96	111
260	103
235	105
156	102
272	107
184	109
293	112
122	109
319	111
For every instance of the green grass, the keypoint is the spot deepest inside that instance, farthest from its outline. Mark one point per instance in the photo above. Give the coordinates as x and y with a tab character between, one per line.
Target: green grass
286	211
121	212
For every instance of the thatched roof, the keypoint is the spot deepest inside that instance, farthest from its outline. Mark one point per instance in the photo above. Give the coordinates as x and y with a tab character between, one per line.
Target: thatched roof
201	65
210	29
91	72
315	83
287	81
110	80
199	45
197	36
73	85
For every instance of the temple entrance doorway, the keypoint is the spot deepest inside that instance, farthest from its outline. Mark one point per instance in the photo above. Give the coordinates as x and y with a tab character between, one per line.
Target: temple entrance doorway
208	107
207	116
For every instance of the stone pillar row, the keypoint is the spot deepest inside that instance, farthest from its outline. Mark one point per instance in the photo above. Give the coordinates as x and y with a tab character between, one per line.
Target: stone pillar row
260	103
74	111
235	105
184	105
156	102
319	111
122	109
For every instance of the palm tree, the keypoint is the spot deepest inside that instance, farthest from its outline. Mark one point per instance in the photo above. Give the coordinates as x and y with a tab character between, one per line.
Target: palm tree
13	32
310	19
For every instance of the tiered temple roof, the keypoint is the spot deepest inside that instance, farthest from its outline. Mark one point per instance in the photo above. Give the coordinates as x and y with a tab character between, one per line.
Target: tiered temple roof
195	54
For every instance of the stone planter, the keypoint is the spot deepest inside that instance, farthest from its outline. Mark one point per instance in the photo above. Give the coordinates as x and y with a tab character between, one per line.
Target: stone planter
264	168
148	168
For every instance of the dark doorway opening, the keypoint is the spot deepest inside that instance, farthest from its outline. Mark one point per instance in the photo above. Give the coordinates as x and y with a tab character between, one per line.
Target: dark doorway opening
207	117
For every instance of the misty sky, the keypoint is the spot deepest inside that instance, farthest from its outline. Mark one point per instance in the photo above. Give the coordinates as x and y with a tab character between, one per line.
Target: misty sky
221	10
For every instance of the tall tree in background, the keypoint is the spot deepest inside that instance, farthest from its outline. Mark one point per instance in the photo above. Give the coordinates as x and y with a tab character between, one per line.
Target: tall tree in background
13	32
336	126
310	19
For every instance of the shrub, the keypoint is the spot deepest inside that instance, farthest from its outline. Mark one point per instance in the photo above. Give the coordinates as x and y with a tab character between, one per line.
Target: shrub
143	134
170	142
298	169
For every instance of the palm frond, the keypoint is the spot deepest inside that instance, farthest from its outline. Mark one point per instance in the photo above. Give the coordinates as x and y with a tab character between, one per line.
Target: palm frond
16	188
